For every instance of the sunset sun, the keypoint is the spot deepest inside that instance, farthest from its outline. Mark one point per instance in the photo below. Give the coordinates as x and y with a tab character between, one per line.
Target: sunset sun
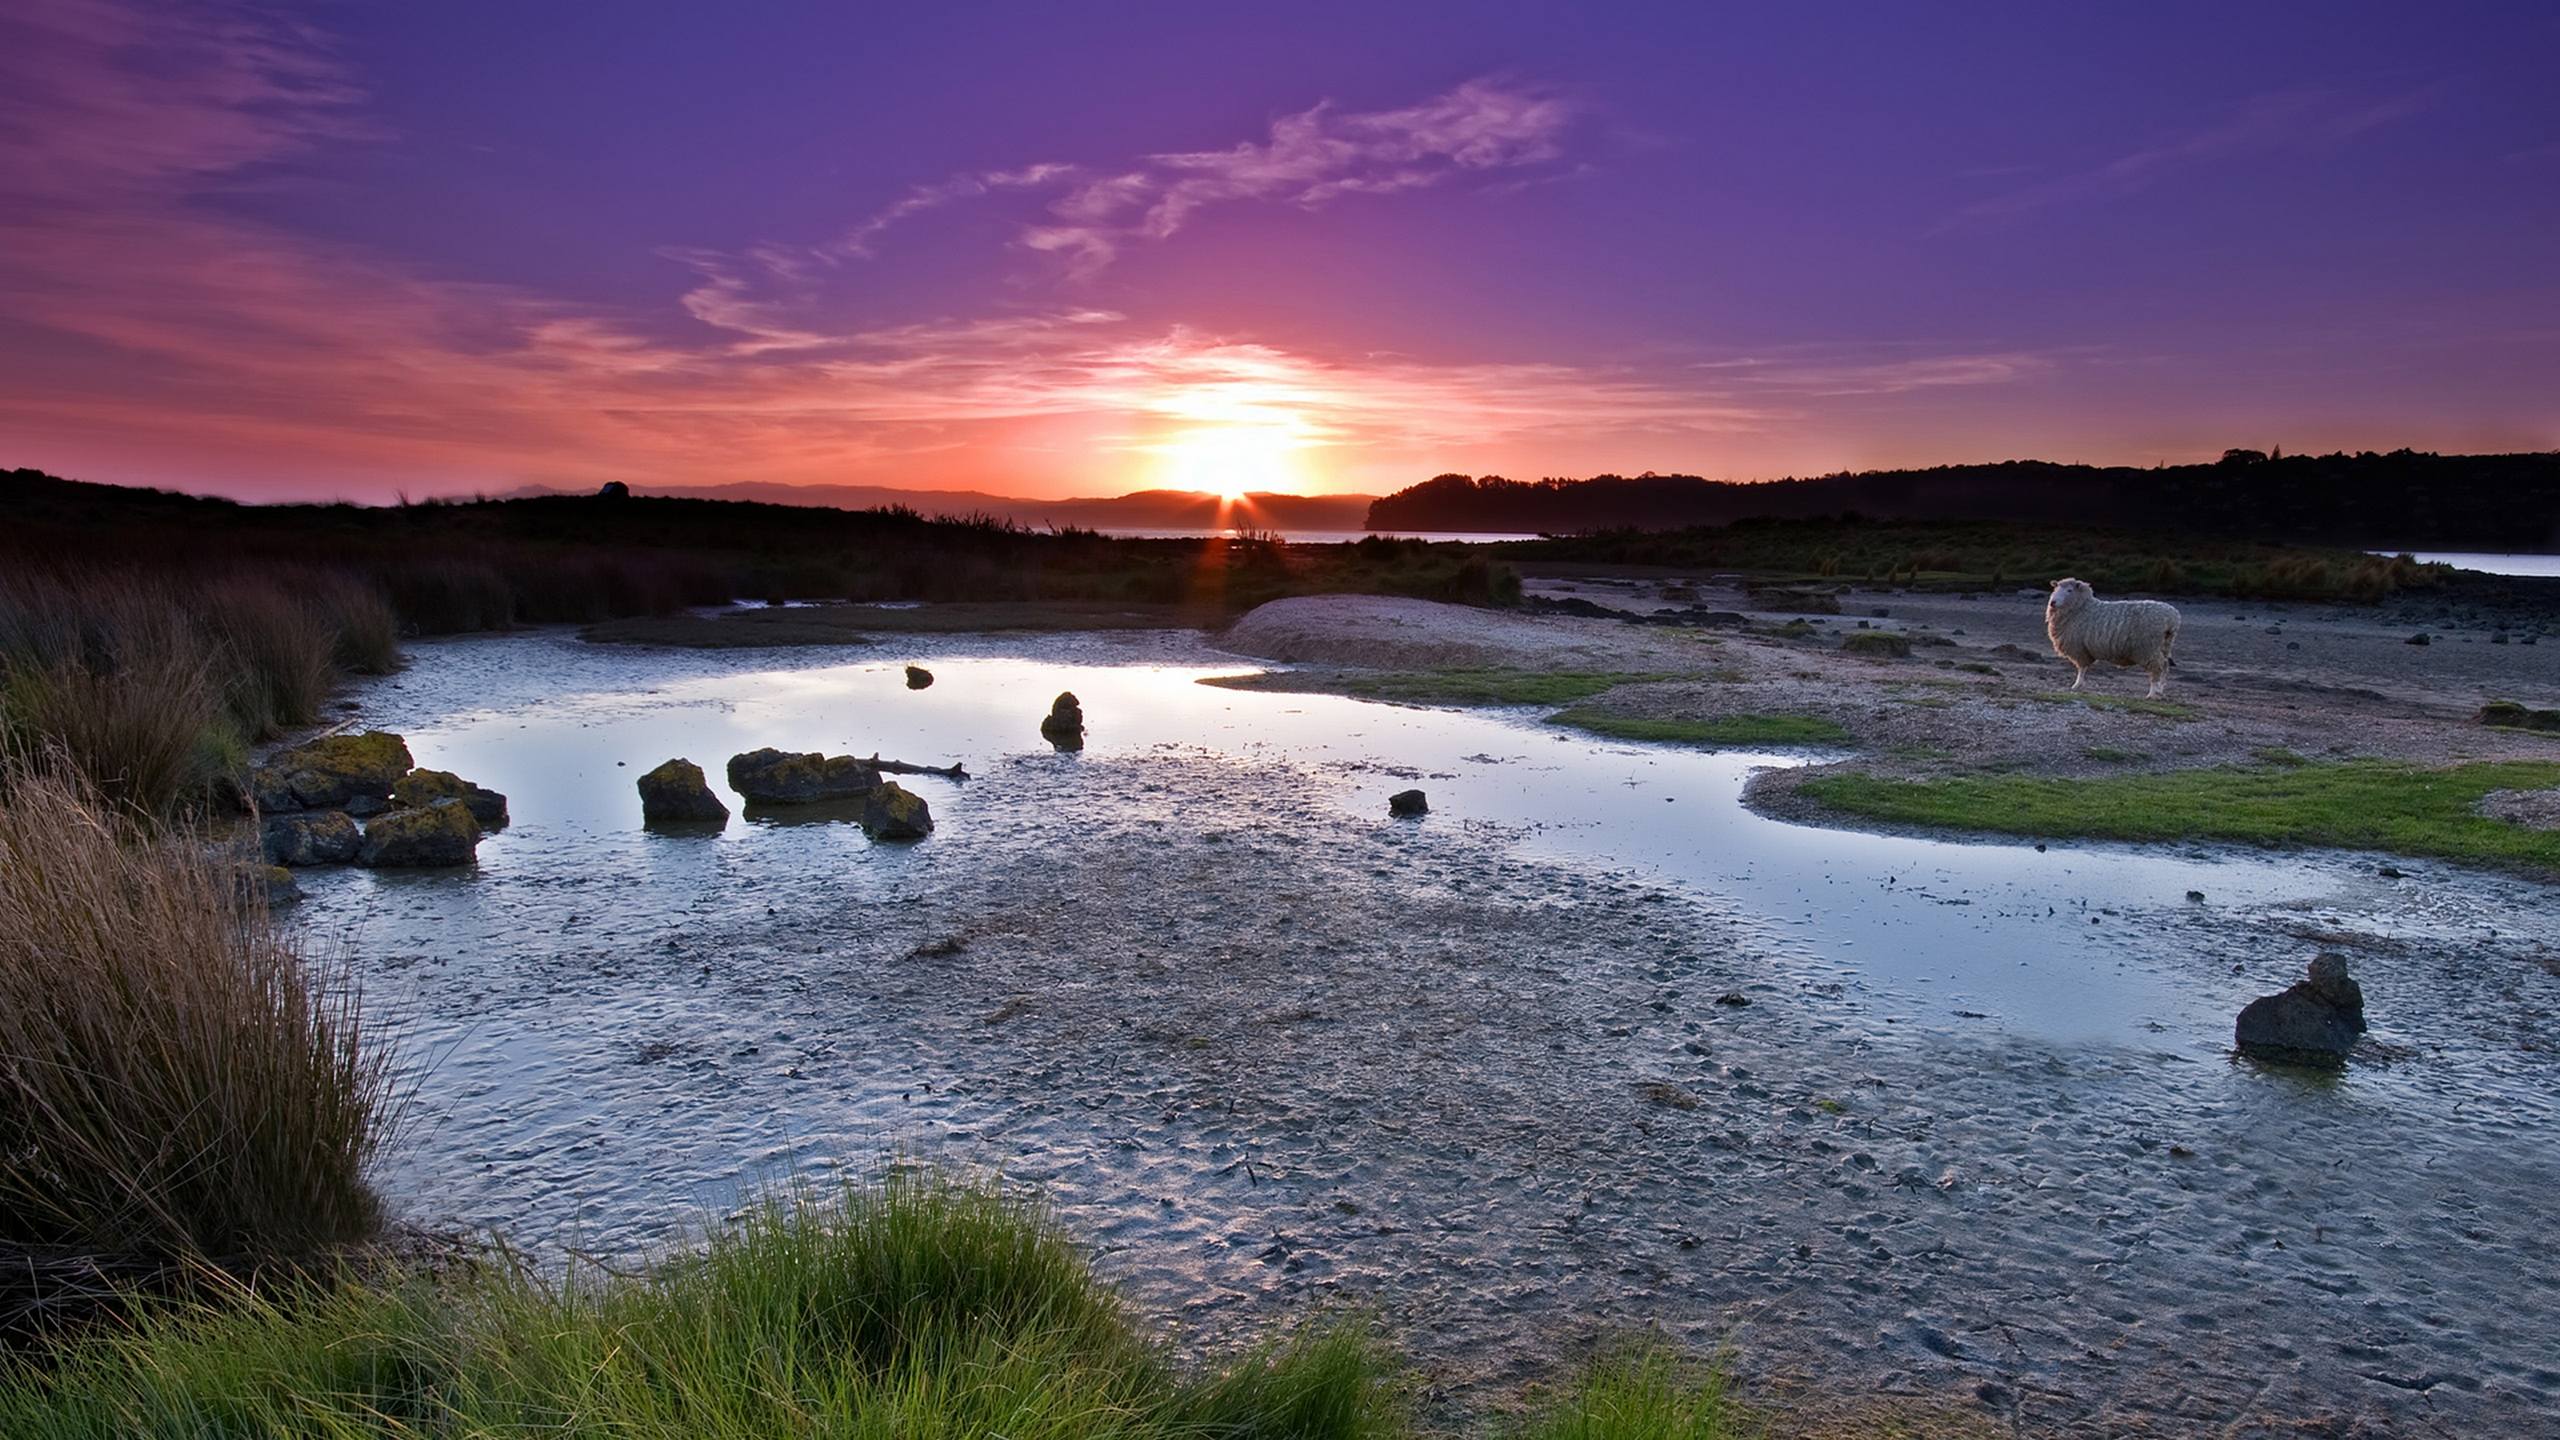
1231	461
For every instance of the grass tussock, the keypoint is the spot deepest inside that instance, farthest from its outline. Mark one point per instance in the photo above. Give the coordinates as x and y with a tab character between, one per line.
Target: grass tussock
2351	805
1714	730
1489	686
179	1086
915	1306
1643	1392
156	688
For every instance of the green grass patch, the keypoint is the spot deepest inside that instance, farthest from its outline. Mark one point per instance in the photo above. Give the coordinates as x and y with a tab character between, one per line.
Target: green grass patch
2139	705
2279	756
1443	687
912	1307
2354	805
1718	730
1644	1392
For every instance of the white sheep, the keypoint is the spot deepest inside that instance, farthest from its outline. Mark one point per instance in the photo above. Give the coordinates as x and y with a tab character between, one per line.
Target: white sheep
2089	631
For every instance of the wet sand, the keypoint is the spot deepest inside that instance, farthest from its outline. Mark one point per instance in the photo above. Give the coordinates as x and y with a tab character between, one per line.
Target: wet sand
1267	1050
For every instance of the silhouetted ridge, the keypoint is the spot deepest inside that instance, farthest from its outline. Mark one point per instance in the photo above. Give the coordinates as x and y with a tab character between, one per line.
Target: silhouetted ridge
2405	499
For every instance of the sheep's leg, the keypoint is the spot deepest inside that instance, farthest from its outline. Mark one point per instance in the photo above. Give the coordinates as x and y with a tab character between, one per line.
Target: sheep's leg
2159	681
2079	672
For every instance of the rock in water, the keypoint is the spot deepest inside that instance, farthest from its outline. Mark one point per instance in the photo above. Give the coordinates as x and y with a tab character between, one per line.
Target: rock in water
677	794
438	834
325	837
918	677
334	772
893	812
425	787
774	777
2315	1022
1065	725
1408	803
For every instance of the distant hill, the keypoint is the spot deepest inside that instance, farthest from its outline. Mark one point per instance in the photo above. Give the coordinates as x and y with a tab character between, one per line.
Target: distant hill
2402	500
1139	510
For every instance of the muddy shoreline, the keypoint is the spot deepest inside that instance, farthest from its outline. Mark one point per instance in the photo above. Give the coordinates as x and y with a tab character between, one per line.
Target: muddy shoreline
1981	688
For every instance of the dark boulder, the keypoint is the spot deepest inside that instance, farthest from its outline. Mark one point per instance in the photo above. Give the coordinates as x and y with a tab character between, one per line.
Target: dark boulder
918	677
2315	1022
677	794
436	835
425	787
893	812
323	837
1064	726
775	777
613	490
1405	804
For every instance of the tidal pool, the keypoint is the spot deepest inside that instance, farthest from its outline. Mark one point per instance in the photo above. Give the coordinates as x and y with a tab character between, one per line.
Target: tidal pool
1256	1038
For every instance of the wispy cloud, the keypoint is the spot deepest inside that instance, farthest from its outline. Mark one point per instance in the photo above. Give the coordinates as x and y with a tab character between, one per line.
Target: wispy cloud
1311	158
107	98
2288	120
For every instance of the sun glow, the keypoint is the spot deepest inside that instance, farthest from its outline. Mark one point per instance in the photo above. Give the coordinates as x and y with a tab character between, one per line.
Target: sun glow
1230	461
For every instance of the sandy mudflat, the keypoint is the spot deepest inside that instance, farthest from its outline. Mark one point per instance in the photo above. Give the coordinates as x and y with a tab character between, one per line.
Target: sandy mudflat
1266	1053
1982	685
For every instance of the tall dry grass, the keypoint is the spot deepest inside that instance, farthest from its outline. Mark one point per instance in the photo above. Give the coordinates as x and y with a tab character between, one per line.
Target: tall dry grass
179	1085
155	689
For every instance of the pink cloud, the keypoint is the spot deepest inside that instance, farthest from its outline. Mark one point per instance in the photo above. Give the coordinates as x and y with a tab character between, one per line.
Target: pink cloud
177	344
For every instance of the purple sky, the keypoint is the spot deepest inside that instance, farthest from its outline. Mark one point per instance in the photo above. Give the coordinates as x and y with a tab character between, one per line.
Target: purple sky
1068	249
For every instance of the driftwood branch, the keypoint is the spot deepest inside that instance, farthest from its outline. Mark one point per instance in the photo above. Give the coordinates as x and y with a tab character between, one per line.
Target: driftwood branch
901	767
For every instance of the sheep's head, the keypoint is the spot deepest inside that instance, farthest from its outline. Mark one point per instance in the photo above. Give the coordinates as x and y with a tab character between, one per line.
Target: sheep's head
2067	593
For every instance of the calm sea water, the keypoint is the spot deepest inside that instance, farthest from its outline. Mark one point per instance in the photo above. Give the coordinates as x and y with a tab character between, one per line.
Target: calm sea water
2494	564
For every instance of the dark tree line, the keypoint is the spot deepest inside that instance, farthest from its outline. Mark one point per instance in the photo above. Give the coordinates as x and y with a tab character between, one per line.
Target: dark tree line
2403	500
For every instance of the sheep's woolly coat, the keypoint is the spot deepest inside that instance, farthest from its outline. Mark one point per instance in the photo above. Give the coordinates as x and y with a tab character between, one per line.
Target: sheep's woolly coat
2089	631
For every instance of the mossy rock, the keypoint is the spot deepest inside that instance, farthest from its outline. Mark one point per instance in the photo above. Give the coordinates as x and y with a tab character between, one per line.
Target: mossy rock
2508	715
433	836
1794	600
334	771
425	787
676	793
1881	644
893	812
777	777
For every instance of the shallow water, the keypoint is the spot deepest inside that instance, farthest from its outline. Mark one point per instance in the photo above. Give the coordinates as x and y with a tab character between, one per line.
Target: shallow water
2505	563
1196	984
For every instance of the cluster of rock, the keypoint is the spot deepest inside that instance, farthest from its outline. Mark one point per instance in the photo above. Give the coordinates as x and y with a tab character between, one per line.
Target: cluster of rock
1064	725
676	793
310	798
2315	1022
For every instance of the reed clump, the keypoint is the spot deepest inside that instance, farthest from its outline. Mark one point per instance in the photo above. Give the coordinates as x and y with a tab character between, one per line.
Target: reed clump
155	689
182	1090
